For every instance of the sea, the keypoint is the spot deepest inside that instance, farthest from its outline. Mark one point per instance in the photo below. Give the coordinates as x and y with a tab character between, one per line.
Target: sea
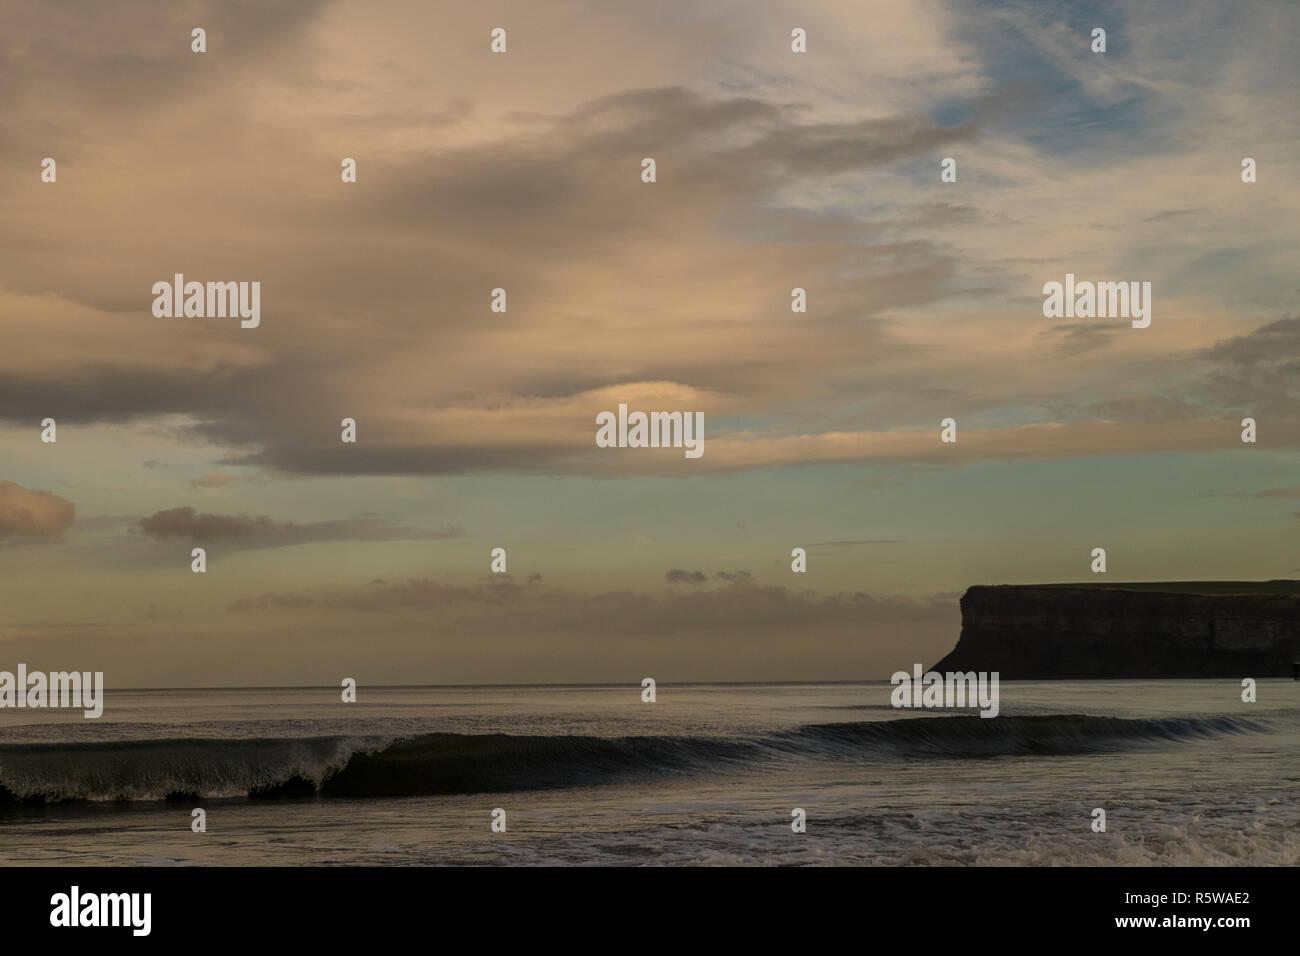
706	774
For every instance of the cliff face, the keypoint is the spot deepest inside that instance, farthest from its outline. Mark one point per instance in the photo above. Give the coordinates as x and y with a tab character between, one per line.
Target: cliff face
1184	629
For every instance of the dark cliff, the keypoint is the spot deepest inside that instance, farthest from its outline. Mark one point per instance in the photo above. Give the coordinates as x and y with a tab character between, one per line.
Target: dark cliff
1182	629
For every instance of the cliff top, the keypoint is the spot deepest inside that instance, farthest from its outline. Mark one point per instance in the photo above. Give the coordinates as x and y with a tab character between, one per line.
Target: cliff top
1277	586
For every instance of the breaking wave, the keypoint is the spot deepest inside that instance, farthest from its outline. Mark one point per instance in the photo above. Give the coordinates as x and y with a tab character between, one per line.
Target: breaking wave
374	766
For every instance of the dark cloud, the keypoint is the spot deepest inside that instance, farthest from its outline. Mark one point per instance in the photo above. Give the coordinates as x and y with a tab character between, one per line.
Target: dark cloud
262	532
1275	343
733	576
185	523
1256	374
678	576
1259	373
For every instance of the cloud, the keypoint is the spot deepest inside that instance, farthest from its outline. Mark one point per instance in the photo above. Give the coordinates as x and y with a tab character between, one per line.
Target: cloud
33	514
770	174
185	523
1258	373
547	200
852	544
499	602
1079	337
262	532
105	522
678	576
272	600
215	479
42	630
733	576
501	629
1276	342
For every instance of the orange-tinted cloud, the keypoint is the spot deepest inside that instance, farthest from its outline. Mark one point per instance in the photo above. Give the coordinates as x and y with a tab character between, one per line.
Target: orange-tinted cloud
33	514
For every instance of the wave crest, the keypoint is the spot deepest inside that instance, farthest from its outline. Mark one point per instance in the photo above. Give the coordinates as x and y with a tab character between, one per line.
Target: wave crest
472	763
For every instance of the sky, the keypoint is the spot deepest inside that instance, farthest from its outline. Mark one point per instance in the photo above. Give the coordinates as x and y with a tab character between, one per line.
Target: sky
476	429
